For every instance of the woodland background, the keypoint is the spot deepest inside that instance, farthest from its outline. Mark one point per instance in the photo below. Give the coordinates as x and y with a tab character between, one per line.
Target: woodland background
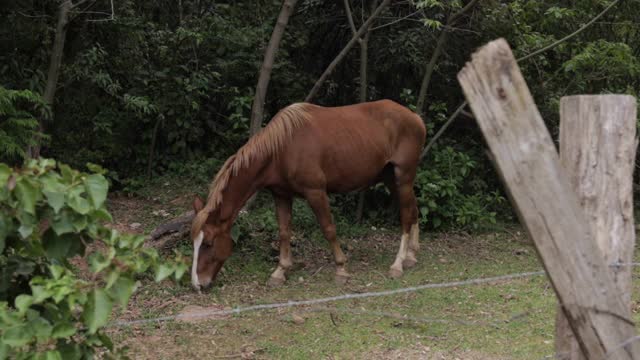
153	88
148	98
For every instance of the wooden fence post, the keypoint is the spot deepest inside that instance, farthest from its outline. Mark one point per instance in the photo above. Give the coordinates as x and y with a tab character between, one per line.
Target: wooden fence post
546	203
597	150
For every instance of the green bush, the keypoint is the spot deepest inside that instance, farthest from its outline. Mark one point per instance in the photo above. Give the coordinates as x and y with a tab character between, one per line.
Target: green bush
50	213
449	194
19	127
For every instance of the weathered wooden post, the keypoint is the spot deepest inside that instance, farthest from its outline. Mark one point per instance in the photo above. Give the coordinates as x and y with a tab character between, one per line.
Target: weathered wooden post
546	203
597	150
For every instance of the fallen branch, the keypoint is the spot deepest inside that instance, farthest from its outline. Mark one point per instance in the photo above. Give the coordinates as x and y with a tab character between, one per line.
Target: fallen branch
168	234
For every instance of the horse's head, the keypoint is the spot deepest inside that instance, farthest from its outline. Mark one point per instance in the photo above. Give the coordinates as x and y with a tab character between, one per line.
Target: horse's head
211	245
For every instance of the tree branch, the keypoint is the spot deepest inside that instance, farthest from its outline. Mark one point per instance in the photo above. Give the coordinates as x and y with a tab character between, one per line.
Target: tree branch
461	12
395	21
442	39
526	57
257	108
345	50
350	17
573	34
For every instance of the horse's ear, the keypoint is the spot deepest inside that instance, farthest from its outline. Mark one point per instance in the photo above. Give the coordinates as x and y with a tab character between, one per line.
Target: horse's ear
198	204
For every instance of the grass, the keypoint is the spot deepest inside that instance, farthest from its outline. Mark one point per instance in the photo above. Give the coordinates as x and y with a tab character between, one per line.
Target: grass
506	320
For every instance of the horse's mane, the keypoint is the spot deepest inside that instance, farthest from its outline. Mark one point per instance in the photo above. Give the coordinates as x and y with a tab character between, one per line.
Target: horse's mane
268	142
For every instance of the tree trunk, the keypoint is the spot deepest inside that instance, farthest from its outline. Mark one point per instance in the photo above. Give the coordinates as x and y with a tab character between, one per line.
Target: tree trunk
364	60
257	109
55	63
422	96
597	150
343	53
442	39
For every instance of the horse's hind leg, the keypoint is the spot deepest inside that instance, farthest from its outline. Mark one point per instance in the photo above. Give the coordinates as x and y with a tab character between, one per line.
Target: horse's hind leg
414	245
409	219
319	202
283	213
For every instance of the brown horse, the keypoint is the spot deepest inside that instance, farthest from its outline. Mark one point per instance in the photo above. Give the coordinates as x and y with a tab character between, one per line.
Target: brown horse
308	151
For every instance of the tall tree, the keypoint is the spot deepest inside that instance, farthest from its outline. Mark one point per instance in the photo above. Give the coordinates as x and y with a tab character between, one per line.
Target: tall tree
343	53
364	59
54	65
257	109
66	8
442	39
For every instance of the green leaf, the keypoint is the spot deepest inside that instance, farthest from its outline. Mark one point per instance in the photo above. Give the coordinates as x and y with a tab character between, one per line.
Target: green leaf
52	355
63	330
80	222
235	234
62	223
424	210
70	351
98	262
5	172
67	173
163	272
5	228
28	195
101	214
41	328
26	230
56	271
55	200
4	350
97	188
40	293
17	335
97	310
56	247
78	203
23	302
106	341
181	268
122	290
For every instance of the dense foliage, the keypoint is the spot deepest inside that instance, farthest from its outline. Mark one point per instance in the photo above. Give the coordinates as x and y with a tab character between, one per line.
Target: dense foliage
18	125
149	87
49	213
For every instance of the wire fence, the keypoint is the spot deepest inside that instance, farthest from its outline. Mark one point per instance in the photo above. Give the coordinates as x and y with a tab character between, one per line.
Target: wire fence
289	304
494	323
351	296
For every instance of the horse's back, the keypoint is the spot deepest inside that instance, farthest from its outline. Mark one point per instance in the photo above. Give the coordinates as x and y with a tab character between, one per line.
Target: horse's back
345	148
378	125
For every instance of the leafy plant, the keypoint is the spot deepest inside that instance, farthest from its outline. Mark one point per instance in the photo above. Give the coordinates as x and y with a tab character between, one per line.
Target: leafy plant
447	194
50	213
19	127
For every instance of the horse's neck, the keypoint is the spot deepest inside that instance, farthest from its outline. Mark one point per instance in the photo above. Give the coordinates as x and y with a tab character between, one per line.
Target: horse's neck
240	188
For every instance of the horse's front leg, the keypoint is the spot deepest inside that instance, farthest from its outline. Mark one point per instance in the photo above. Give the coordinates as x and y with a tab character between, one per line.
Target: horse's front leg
283	214
319	202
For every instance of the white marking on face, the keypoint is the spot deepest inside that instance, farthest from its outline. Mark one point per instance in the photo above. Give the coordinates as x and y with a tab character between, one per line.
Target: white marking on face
194	266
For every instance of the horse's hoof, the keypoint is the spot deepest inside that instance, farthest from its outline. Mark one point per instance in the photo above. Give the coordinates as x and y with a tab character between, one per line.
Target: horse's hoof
409	263
342	279
276	281
395	273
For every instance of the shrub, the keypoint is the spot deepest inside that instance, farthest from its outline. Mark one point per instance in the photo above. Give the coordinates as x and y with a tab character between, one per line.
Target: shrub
50	213
449	194
19	127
